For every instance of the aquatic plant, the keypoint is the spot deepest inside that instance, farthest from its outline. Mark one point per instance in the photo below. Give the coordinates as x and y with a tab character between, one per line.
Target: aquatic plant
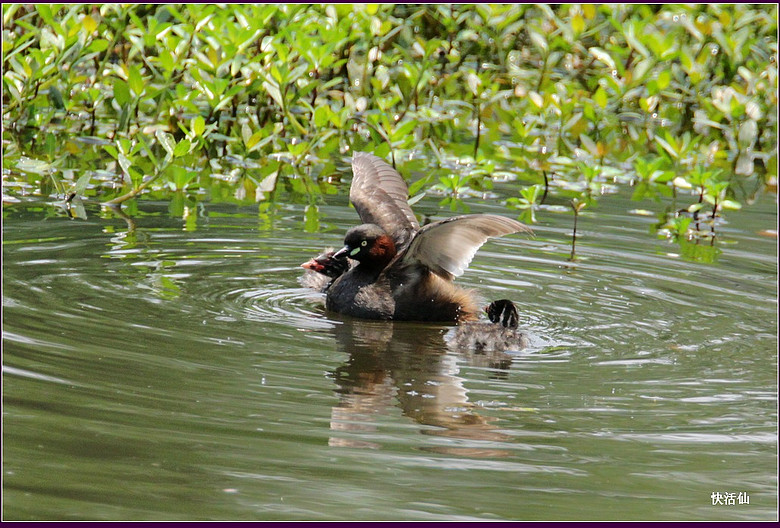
262	103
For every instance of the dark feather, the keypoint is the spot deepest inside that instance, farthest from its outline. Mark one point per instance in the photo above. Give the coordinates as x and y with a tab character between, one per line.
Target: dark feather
380	196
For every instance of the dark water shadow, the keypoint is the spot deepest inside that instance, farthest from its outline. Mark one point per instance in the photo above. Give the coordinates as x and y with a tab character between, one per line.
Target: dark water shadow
409	365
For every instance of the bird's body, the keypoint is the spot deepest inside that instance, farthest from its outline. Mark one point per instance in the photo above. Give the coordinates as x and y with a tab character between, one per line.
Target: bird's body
499	335
405	272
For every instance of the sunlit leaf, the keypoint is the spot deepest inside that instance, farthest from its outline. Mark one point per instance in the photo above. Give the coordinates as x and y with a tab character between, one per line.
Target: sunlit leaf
600	97
166	140
730	204
273	91
578	23
89	23
254	139
198	126
589	144
539	41
35	166
664	77
589	10
602	56
748	131
125	163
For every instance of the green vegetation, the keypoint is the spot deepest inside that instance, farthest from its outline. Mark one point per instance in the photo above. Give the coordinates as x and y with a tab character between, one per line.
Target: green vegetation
255	104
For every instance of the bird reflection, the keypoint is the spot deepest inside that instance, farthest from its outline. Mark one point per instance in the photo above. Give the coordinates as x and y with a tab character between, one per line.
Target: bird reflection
409	365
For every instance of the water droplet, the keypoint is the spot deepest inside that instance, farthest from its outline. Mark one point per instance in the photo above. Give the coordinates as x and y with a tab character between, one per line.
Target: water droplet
544	149
655	115
714	50
614	73
357	82
675	18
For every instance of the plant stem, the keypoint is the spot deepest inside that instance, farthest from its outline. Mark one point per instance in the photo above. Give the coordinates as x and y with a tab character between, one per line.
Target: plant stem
135	192
574	235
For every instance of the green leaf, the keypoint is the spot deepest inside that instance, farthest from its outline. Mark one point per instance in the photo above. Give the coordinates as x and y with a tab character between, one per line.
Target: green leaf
600	97
121	92
322	115
135	81
44	11
182	148
165	59
55	98
81	184
406	128
629	32
97	46
198	126
111	149
667	147
254	139
663	79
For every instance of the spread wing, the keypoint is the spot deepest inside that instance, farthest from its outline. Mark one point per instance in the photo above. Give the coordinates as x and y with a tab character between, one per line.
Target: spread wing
380	195
447	247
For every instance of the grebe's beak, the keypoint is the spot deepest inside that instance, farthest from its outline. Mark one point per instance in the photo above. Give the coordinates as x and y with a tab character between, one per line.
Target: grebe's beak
342	253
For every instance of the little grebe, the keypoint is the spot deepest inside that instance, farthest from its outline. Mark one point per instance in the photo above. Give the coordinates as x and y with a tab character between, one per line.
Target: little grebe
498	335
405	272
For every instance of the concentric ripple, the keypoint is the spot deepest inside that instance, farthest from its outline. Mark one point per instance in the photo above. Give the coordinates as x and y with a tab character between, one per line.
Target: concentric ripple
177	358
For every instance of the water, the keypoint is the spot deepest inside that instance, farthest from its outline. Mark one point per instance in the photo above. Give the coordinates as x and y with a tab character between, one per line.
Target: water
154	369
